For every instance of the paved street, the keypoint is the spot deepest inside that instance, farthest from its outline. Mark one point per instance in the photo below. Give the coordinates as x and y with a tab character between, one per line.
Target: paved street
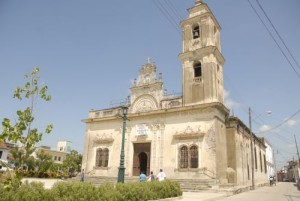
283	191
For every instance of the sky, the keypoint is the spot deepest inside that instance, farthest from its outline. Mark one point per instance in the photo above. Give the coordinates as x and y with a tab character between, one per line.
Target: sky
89	51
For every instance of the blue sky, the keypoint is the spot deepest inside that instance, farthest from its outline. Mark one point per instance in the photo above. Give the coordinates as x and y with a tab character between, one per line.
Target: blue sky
90	51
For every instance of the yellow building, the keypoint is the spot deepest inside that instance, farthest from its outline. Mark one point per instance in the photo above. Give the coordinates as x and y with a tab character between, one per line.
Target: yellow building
184	135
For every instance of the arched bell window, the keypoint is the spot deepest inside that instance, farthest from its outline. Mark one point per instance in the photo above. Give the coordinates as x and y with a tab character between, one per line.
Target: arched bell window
197	70
196	32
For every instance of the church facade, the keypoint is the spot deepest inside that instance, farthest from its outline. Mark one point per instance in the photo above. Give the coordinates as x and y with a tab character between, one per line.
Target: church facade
184	135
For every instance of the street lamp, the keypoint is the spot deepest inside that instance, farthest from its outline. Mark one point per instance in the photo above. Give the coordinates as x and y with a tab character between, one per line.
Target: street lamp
121	172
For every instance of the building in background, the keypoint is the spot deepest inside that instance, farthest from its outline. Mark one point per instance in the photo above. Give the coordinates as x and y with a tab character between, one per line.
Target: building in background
58	155
64	146
270	158
4	151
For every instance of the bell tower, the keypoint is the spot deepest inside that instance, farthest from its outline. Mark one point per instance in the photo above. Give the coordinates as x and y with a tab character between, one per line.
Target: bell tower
201	57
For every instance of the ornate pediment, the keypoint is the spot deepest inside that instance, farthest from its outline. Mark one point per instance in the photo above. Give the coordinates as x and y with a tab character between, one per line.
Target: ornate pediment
103	138
188	133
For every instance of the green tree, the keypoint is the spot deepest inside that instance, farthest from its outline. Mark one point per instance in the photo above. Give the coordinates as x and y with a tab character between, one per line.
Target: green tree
22	132
73	161
43	161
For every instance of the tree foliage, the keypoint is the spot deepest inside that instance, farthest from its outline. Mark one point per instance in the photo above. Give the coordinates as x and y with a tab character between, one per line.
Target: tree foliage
43	161
73	161
21	131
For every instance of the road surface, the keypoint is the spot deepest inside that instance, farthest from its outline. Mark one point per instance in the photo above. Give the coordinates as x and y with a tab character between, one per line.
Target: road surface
283	191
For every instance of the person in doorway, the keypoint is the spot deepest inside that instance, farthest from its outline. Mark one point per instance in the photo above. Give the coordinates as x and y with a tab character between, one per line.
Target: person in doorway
82	176
151	176
271	178
161	175
143	177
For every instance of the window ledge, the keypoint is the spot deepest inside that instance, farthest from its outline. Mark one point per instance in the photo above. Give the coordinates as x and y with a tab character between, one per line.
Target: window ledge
197	80
190	169
101	168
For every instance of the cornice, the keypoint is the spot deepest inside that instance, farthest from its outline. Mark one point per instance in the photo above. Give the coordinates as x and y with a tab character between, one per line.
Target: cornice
190	55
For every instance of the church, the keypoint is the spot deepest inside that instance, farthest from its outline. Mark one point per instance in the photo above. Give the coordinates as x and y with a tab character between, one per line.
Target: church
191	136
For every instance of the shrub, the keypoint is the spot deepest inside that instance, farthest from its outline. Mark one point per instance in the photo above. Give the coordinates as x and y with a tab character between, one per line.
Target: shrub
82	191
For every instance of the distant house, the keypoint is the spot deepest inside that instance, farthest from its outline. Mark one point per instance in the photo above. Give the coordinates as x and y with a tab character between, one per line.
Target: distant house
58	155
64	146
270	162
3	151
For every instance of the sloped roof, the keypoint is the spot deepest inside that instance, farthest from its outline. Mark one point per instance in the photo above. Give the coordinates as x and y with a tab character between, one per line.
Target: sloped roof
3	146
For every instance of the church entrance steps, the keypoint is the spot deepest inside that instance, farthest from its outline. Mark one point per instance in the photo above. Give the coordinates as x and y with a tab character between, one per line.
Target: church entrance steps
196	185
186	185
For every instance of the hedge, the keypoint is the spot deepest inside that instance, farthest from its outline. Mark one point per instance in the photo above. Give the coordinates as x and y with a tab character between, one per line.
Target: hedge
82	191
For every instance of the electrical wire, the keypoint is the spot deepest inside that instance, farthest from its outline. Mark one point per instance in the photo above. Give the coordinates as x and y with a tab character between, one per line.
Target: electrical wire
270	33
282	123
167	15
279	36
174	10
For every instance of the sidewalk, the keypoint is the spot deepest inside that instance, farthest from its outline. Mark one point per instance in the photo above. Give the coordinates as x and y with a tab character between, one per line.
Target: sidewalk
202	196
48	183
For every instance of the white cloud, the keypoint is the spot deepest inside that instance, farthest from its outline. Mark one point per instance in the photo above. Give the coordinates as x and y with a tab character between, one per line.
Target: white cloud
264	128
231	104
293	122
291	146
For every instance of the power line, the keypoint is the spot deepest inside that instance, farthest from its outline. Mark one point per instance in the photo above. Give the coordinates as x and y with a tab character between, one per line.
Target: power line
279	36
174	10
167	15
285	121
274	39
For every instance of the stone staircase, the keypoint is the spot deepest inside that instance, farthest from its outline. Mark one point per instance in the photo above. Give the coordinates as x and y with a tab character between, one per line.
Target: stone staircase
197	185
186	185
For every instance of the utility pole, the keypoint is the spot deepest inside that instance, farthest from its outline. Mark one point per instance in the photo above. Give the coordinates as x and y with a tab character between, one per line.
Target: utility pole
296	179
252	144
297	149
275	168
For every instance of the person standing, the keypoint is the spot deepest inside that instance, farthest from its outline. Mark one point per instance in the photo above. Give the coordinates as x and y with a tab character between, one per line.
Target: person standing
82	176
271	180
151	176
143	177
161	175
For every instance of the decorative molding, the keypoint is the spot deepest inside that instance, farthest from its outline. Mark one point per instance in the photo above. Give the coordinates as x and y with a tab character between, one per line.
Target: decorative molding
103	138
188	133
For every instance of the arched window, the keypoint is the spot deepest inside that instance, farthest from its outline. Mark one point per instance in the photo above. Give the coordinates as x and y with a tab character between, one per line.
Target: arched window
98	157
105	157
194	156
197	70
196	32
188	158
102	157
183	162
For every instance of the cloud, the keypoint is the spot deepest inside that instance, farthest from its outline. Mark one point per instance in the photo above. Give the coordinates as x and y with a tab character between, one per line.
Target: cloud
264	128
292	122
230	103
291	146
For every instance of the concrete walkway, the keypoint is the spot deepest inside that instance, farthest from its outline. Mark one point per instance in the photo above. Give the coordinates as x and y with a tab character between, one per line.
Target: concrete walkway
202	196
48	183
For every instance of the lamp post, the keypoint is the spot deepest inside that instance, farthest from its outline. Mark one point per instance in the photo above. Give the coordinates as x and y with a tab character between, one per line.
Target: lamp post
121	172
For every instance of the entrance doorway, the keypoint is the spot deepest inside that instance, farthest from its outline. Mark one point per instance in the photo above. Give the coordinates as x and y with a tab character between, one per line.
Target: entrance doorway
141	158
